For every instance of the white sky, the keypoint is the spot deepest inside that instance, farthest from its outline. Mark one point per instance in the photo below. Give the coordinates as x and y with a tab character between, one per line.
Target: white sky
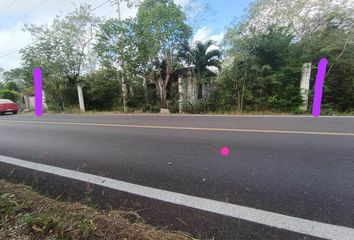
206	33
15	13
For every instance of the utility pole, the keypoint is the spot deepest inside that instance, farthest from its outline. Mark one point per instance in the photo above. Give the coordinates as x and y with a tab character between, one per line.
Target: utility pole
118	10
121	64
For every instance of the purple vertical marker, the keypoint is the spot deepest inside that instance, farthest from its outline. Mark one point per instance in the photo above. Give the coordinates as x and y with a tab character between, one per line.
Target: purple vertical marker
38	105
321	73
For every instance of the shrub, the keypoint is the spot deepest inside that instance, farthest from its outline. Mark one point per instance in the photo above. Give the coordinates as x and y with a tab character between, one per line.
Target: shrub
9	94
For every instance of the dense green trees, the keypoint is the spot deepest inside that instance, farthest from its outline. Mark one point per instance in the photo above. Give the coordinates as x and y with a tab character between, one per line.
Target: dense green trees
205	56
257	68
266	49
102	89
259	75
337	45
161	32
117	44
11	85
64	50
147	44
10	90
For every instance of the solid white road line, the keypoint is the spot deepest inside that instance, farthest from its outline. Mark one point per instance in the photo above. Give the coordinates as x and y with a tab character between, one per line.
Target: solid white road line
341	134
196	115
294	224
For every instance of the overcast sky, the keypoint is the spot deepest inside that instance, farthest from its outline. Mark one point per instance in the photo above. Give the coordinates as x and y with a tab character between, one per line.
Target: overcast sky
15	13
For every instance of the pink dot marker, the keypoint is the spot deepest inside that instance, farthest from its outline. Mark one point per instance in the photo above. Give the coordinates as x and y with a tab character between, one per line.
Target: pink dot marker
225	151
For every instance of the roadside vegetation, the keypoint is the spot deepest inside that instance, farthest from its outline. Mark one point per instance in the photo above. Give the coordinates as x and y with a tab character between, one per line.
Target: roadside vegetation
132	65
25	214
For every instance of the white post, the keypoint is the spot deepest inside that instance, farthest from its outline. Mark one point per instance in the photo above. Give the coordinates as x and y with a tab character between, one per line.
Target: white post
44	100
118	11
27	104
305	85
81	98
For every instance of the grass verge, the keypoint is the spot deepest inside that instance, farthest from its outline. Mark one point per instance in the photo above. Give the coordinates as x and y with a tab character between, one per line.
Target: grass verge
25	214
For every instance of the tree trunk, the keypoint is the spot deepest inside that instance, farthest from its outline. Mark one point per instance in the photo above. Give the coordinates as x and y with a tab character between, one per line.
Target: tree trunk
243	91
158	90
62	101
242	95
164	97
164	90
238	100
123	83
238	96
124	92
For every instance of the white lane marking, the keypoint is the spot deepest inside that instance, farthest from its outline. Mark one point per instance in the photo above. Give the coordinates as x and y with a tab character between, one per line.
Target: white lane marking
198	115
294	224
184	128
190	115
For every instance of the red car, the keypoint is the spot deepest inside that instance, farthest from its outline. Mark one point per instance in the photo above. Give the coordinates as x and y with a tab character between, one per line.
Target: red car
7	105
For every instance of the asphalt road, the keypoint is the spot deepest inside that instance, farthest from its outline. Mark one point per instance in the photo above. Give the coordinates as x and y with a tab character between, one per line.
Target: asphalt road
297	166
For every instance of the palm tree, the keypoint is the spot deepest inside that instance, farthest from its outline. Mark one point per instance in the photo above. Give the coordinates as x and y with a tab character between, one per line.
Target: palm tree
204	57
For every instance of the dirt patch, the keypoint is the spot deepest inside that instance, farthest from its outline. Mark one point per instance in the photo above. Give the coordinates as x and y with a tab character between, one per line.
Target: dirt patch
25	214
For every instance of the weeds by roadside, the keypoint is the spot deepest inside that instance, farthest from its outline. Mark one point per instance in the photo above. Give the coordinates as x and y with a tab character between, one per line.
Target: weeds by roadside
25	214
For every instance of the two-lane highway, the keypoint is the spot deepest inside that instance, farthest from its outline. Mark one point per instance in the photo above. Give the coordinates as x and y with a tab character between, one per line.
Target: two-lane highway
296	166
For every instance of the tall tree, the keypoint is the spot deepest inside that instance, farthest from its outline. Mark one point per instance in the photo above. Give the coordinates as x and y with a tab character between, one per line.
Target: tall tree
268	47
63	50
162	32
121	62
302	17
337	46
258	65
206	56
117	42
